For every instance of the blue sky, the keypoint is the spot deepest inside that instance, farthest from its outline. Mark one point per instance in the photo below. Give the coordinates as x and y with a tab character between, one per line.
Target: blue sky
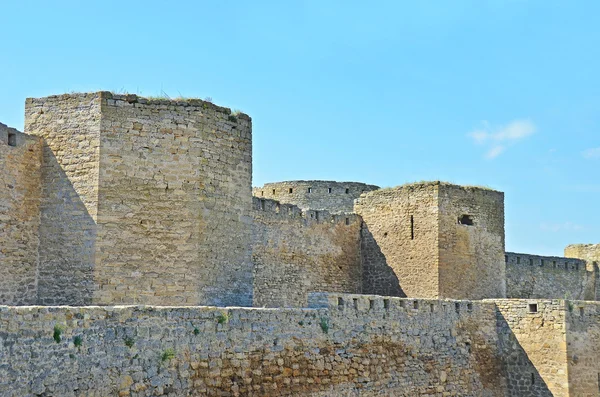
498	93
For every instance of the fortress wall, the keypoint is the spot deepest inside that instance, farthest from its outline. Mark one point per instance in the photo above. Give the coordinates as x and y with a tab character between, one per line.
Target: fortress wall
398	247
550	277
295	252
471	257
175	199
533	346
583	348
20	178
70	128
317	195
370	350
590	253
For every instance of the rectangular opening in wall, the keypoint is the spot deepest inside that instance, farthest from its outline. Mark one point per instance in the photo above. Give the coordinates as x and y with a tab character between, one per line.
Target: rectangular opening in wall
355	303
532	378
531	261
533	308
309	190
518	260
329	190
347	190
291	190
262	193
457	307
577	266
554	264
262	205
347	221
505	258
431	307
465	220
541	262
340	303
402	304
12	139
599	381
412	228
416	305
371	304
273	192
468	347
386	304
469	307
581	311
317	215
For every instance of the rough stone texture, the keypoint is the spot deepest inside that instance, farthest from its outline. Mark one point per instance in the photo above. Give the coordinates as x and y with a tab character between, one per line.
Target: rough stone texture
416	228
295	252
317	195
550	277
534	347
144	201
368	346
20	190
70	127
591	254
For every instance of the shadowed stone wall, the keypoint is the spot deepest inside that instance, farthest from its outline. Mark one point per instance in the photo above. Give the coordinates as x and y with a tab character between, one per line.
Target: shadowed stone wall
20	191
295	252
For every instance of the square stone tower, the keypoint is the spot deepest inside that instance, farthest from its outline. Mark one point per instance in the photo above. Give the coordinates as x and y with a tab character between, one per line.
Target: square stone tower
440	240
144	201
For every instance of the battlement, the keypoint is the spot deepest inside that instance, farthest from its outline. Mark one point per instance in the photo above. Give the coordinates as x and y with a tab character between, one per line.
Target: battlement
319	195
272	207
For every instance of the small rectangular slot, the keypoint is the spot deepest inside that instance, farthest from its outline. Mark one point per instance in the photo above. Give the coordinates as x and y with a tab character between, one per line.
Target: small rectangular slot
262	193
505	258
291	190
347	221
402	304
309	190
340	303
431	307
273	192
317	215
12	139
581	311
262	205
347	190
329	190
416	305
577	266
412	228
518	260
541	262
531	261
469	307
532	378
457	307
371	304
468	347
386	304
554	264
355	303
533	308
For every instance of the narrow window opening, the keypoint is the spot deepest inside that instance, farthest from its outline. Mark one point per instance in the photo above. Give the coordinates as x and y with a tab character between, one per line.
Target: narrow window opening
457	307
262	205
533	308
469	307
371	304
317	215
347	190
289	210
599	381
402	304
412	228
309	190
566	265
12	139
262	193
312	215
468	346
581	311
416	305
506	258
465	220
386	304
431	307
273	192
347	221
385	234
531	261
340	303
518	260
577	266
554	264
541	262
329	190
355	303
532	378
291	190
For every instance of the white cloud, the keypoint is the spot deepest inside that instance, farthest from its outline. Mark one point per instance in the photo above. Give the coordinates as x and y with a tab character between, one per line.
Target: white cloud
500	137
557	227
591	153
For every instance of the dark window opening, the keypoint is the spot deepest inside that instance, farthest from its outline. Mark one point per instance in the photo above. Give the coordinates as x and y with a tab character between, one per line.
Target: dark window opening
416	305
262	193
412	228
386	304
12	139
541	262
533	308
531	261
347	221
402	304
371	304
468	346
506	258
291	190
355	302
340	303
317	215
431	307
385	234
554	264
469	307
577	266
465	220
518	260
347	190
581	311
532	378
329	190
309	190
273	192
262	204
457	307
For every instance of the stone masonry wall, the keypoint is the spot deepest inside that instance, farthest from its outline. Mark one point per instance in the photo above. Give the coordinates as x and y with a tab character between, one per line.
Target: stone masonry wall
533	344
550	277
471	257
20	191
317	195
295	252
174	203
356	345
403	223
583	348
590	253
70	127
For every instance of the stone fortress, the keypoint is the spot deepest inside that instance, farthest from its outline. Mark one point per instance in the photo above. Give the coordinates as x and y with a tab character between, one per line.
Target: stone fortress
137	260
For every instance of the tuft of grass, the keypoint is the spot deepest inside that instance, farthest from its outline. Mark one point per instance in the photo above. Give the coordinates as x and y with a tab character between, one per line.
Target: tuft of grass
77	341
222	318
232	118
324	322
129	341
196	331
58	330
301	323
167	355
